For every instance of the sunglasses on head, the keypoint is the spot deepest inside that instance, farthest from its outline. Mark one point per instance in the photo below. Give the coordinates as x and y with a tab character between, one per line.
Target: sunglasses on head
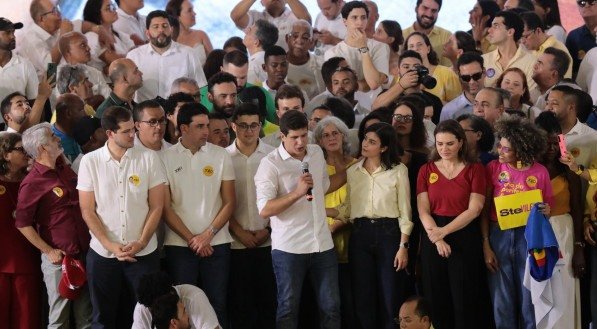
584	3
475	76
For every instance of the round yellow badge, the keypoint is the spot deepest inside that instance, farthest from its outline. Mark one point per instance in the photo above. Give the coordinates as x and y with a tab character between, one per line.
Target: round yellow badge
58	191
2	189
135	180
531	181
208	171
433	178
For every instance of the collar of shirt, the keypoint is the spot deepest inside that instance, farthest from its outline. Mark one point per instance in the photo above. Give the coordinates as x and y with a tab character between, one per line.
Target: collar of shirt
463	101
178	147
173	49
116	100
107	156
138	143
261	148
285	155
360	166
520	52
40	33
124	14
577	129
257	55
549	42
14	60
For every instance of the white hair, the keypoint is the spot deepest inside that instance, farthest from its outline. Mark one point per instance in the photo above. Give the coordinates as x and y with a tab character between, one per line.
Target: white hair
176	84
340	125
35	137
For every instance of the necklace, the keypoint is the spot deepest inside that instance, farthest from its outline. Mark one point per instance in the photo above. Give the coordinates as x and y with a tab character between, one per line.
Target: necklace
449	174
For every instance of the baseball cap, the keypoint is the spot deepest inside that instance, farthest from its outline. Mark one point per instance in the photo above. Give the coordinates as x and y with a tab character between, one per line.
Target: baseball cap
73	278
6	25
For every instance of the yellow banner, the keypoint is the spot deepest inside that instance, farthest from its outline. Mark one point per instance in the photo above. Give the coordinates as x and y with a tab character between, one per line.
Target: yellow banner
513	209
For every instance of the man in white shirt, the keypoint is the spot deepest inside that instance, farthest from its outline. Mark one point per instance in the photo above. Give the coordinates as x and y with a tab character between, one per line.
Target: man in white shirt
198	206
367	57
259	37
276	69
275	12
150	122
304	69
252	283
39	43
163	60
329	26
548	72
17	113
302	245
130	21
288	98
121	193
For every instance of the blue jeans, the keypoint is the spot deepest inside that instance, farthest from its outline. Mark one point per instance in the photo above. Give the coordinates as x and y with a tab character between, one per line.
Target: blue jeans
209	273
512	304
378	290
108	280
291	270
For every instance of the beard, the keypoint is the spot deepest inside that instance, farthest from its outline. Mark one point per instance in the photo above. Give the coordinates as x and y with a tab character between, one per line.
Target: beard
226	110
425	25
161	41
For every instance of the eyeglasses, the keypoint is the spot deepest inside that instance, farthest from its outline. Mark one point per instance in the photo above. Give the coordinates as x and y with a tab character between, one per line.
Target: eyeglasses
245	127
475	76
526	35
18	148
504	149
55	11
403	118
584	3
154	123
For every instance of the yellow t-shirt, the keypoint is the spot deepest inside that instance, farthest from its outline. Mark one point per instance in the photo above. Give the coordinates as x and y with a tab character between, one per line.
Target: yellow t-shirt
448	84
333	200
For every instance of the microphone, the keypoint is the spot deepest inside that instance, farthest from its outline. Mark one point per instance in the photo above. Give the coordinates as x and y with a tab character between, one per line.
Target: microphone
305	169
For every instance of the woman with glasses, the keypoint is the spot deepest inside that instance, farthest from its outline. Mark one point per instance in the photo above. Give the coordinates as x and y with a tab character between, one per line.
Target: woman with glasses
198	40
20	274
378	204
479	137
516	170
448	85
103	13
515	81
451	247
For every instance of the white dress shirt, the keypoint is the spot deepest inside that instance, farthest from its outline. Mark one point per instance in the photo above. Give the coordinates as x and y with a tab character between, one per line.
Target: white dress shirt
161	152
245	168
256	74
159	71
581	142
336	27
36	44
121	190
122	45
18	75
587	74
283	23
195	181
130	24
301	228
379	52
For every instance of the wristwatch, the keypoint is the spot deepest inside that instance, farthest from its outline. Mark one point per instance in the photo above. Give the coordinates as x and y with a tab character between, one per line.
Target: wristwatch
405	245
364	50
213	230
581	168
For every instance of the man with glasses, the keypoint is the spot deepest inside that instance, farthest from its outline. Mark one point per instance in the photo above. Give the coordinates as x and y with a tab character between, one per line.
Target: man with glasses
582	39
472	79
252	284
150	121
505	33
39	44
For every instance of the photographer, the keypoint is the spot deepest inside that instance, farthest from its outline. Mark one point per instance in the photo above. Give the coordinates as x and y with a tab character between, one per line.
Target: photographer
413	76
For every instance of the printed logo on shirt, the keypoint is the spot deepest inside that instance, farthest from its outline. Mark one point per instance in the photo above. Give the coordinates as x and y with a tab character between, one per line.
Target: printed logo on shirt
433	178
503	177
208	171
490	73
58	191
135	180
575	151
2	189
531	181
177	170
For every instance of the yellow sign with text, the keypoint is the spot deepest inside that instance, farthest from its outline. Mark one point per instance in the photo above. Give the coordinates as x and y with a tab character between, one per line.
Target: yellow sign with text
513	210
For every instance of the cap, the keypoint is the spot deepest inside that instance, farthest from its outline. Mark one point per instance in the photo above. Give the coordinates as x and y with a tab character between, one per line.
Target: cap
85	128
73	278
6	25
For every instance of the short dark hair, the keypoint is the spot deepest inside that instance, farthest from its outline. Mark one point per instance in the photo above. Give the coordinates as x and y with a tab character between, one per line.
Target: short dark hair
512	21
439	2
526	5
552	16
293	120
245	109
409	54
584	105
329	67
154	14
216	116
432	56
453	127
92	12
266	33
213	63
489	8
163	310
423	308
256	96
6	102
152	286
349	6
139	108
388	138
342	109
570	94
393	29
465	41
469	57
176	98
478	124
532	21
273	51
236	58
560	62
383	114
547	121
235	42
219	78
287	91
113	116
187	112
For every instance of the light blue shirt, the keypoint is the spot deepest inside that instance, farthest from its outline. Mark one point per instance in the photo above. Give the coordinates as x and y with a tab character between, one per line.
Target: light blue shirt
456	107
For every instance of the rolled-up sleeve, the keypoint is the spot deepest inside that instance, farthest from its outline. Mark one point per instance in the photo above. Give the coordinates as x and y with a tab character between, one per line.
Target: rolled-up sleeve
403	198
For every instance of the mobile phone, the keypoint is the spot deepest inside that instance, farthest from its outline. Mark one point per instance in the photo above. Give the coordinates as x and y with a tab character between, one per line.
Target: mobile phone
52	69
562	142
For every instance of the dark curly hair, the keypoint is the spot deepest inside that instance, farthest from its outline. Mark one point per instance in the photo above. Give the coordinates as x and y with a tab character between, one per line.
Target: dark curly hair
528	141
152	286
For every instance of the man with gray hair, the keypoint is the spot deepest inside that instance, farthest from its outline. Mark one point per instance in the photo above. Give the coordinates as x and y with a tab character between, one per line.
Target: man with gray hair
48	215
188	86
72	79
127	78
304	69
258	38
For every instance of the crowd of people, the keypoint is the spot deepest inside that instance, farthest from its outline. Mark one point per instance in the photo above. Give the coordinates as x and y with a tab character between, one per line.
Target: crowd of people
336	172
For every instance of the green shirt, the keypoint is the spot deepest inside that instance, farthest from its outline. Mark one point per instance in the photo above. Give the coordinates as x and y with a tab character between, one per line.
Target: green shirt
269	102
112	100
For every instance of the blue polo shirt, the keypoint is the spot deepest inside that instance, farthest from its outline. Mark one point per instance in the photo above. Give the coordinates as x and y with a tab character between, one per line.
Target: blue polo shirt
70	146
579	42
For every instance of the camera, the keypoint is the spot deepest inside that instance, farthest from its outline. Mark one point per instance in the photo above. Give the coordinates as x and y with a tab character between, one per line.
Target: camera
424	78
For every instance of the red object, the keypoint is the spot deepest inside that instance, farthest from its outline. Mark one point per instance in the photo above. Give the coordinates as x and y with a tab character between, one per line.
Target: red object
73	278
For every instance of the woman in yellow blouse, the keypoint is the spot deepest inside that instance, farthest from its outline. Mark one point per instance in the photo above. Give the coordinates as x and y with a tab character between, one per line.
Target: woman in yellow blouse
378	203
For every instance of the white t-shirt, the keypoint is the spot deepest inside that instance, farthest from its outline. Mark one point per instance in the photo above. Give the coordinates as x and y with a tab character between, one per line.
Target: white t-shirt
130	24
379	52
256	74
336	27
307	77
122	45
283	23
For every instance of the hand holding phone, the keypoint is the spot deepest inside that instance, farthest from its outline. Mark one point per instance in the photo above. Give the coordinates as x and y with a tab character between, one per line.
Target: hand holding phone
51	72
562	142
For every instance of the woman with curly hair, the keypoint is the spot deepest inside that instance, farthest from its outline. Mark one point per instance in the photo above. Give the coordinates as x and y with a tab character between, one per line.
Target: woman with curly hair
520	146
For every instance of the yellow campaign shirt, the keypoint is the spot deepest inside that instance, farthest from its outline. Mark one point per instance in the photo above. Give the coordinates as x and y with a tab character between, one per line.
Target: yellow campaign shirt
551	41
270	128
522	59
448	84
333	200
437	37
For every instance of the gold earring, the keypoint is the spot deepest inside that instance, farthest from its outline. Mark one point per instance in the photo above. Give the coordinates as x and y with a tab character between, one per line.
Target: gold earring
519	164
